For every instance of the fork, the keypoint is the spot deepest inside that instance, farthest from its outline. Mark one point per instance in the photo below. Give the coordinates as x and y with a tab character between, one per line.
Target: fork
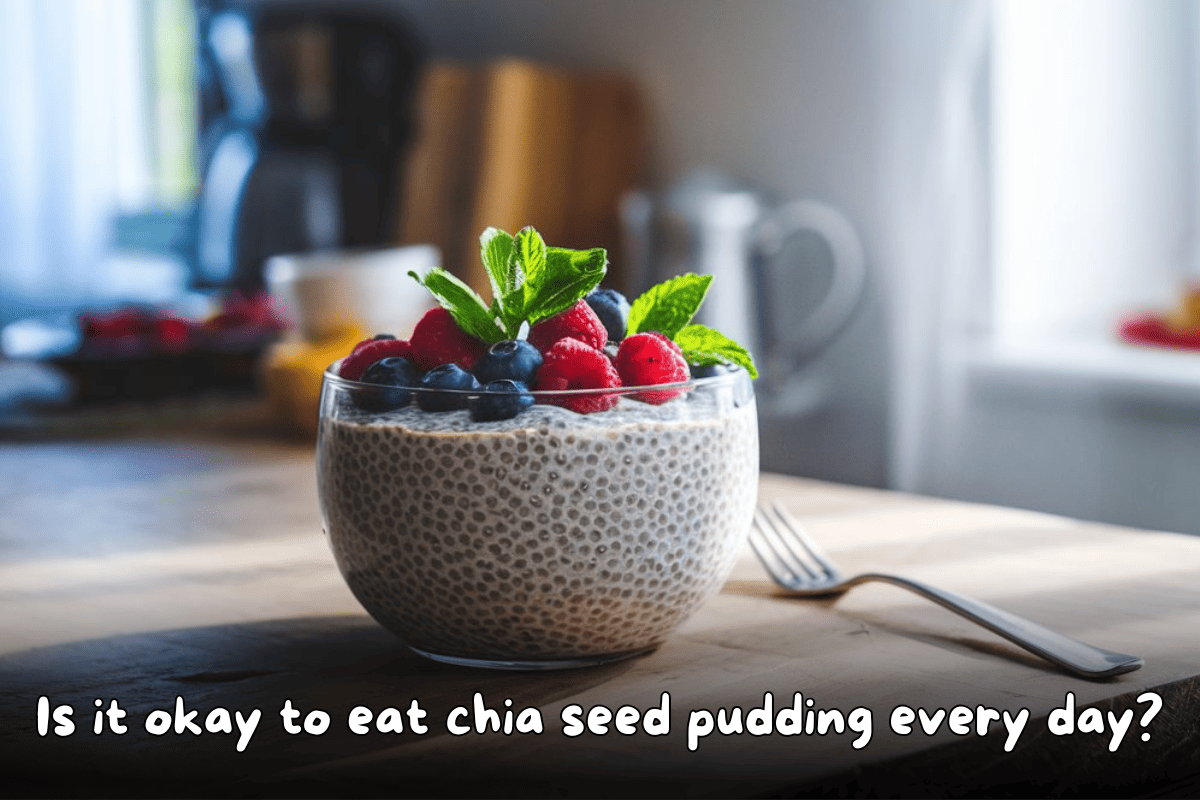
796	564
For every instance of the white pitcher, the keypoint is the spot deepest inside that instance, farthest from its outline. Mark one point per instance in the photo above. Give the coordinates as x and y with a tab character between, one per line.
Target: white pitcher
710	225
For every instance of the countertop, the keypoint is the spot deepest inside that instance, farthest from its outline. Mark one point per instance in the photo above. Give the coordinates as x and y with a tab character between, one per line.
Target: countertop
141	569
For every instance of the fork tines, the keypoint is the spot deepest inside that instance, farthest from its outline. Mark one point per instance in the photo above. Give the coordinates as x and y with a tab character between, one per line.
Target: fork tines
786	550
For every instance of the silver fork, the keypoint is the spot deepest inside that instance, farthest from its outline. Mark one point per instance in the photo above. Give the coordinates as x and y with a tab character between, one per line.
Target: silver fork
796	564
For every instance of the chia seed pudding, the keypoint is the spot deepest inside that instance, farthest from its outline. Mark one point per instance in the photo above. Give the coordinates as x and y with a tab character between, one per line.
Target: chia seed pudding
550	539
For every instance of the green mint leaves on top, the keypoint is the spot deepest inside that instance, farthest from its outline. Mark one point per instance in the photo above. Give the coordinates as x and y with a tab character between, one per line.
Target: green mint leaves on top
669	307
569	276
705	347
544	281
496	252
463	303
531	282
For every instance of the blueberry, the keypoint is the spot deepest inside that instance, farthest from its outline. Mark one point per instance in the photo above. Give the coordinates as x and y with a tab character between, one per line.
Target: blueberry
392	371
502	399
379	336
447	376
395	376
613	310
510	360
710	371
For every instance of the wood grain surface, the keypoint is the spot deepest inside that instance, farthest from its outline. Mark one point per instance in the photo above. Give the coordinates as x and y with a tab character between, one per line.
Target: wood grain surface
146	570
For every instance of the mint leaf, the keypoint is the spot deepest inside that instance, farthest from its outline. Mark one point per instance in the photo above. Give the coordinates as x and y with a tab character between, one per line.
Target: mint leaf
512	304
669	306
531	256
495	250
564	296
703	346
512	312
467	308
562	259
566	278
530	282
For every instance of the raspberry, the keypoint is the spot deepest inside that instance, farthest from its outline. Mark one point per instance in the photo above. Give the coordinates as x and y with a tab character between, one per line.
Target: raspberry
571	364
438	340
367	352
171	334
577	322
646	359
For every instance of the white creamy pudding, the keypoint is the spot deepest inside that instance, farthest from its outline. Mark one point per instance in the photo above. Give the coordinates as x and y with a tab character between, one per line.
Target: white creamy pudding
552	538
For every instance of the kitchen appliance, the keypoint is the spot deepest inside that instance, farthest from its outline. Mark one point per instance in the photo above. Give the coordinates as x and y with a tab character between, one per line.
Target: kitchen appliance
306	112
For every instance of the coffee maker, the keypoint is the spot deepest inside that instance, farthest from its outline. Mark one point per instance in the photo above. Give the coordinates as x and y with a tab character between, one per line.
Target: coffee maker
306	115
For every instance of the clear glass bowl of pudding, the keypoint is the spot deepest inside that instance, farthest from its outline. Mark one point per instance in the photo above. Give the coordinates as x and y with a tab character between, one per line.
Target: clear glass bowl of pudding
549	540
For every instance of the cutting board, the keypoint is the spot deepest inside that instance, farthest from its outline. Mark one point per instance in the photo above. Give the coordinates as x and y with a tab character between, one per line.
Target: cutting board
514	143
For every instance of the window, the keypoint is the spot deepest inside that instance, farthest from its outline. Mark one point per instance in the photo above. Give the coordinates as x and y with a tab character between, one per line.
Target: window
97	147
1094	167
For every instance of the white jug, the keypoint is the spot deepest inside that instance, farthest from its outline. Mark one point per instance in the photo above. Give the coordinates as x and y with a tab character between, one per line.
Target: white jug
709	225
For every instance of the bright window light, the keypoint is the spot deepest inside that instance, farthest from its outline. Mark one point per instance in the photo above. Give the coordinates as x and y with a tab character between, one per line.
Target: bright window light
1094	176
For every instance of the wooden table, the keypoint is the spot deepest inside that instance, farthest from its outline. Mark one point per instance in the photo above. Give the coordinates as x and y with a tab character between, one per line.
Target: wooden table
140	570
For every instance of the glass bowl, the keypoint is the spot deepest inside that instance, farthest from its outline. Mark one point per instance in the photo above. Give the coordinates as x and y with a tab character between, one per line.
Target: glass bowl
553	539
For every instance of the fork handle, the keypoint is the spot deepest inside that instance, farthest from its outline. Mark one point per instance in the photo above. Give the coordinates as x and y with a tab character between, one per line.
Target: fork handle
1068	653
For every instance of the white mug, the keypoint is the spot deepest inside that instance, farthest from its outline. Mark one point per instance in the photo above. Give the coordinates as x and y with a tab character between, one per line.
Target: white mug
326	291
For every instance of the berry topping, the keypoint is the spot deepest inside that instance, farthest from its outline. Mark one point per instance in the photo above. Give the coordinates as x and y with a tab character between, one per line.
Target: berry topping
646	359
438	340
613	310
577	322
571	364
708	370
396	375
446	376
512	360
532	283
172	334
367	352
502	399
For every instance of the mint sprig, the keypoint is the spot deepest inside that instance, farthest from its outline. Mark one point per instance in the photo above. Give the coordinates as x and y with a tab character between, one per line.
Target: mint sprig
704	347
567	277
530	282
669	306
498	251
467	308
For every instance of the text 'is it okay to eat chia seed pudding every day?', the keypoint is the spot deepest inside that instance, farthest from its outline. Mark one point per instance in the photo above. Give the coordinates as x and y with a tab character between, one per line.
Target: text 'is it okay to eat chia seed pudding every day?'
558	478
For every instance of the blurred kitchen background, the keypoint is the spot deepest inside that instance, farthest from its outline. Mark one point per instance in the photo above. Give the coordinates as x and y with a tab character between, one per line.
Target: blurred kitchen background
962	236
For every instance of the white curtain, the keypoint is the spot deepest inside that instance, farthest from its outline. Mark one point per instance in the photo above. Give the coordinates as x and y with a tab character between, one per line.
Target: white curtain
72	143
934	190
